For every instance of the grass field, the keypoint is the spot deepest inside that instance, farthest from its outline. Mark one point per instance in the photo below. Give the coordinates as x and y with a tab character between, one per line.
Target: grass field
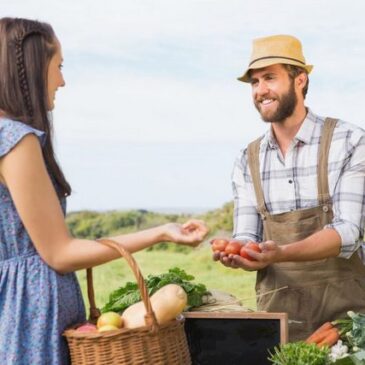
196	262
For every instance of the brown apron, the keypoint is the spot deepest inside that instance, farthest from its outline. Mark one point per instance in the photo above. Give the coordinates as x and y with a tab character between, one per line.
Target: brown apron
317	291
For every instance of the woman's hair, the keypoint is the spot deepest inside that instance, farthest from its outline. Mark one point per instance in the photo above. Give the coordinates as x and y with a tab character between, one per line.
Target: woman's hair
26	48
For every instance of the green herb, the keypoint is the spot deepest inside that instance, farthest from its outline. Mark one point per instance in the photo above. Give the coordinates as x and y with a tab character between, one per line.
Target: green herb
299	353
129	294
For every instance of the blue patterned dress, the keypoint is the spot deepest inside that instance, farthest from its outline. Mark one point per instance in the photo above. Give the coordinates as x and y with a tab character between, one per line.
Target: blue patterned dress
36	303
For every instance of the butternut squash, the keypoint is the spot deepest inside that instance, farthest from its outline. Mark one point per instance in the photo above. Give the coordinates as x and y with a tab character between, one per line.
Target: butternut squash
167	303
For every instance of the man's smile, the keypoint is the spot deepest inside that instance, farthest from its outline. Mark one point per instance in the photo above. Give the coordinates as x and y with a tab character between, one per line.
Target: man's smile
267	101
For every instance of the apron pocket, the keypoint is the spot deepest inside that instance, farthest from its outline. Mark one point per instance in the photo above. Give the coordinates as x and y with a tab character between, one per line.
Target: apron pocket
291	231
301	265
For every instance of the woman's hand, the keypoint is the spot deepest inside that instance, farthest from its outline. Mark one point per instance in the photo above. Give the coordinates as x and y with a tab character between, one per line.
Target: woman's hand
190	233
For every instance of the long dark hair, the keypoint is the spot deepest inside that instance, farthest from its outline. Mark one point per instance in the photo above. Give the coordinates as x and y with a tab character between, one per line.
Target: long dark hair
26	48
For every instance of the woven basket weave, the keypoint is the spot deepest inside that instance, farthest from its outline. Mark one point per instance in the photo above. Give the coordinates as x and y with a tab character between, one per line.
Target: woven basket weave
152	344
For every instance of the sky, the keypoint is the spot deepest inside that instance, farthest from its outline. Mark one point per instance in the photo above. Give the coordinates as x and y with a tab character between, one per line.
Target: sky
152	115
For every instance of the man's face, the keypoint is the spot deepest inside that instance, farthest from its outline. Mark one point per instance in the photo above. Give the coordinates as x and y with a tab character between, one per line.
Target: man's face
273	93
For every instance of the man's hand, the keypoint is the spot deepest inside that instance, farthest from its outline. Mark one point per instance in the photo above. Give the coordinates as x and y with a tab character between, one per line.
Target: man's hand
270	253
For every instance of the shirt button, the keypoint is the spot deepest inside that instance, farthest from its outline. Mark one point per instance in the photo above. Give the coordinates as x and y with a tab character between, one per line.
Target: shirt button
290	181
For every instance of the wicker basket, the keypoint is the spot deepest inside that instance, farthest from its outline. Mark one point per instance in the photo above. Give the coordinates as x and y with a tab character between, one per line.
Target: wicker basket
151	344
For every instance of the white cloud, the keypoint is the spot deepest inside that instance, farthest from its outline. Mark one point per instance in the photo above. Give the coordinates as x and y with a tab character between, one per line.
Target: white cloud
163	71
151	109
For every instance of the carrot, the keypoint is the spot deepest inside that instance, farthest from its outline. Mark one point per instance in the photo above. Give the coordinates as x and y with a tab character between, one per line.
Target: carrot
317	335
331	338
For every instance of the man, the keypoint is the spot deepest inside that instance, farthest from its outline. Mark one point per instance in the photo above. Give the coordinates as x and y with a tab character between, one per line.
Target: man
299	192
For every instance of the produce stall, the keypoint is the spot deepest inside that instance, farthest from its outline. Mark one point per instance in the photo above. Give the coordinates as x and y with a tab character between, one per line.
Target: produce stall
167	319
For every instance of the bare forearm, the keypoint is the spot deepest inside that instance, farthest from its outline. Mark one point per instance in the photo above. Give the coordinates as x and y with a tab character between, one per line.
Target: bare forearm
320	245
80	253
137	241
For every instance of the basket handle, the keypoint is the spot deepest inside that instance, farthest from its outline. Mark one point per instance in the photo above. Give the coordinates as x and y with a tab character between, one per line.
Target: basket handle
150	318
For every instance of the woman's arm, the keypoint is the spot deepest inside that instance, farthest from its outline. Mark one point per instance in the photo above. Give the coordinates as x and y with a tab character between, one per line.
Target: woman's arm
24	172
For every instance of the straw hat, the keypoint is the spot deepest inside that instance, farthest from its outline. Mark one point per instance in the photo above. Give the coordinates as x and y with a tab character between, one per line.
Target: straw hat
275	49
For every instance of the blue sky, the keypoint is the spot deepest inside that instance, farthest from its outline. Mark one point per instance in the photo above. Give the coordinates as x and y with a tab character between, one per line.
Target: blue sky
152	115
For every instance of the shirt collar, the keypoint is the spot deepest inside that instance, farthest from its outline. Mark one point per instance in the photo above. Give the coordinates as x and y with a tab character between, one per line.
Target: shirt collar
306	130
304	134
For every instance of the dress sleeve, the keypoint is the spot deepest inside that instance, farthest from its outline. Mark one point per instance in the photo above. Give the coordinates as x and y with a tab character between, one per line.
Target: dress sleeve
12	132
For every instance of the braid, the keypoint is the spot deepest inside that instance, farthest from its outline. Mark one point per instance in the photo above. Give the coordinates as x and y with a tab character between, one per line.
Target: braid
27	47
22	75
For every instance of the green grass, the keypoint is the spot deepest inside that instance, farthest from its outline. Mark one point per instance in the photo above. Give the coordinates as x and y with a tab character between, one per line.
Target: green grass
197	262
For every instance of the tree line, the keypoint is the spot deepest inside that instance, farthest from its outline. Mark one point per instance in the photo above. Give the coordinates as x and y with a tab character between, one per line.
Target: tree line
93	224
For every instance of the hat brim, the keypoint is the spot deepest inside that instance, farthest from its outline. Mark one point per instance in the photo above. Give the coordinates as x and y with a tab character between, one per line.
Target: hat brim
264	63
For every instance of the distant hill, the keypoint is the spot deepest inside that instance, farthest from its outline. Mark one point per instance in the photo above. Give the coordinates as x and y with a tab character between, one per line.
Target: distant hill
91	224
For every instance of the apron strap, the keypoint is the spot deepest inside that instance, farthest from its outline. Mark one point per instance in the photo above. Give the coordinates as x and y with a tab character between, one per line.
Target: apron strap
322	169
253	151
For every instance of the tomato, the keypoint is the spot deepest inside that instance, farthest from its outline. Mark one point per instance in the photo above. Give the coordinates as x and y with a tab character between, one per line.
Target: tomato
219	244
252	246
233	247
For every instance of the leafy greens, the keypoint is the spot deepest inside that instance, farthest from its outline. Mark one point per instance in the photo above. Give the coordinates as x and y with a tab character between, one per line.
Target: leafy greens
299	353
122	298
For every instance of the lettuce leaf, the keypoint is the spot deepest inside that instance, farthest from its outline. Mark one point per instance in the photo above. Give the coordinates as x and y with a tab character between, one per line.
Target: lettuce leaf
123	297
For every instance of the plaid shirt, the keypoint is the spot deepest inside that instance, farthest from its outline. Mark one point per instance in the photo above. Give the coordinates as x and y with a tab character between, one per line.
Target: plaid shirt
290	183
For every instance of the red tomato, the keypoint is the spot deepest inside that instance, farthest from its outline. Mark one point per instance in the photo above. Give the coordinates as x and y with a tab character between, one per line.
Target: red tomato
252	246
233	247
219	244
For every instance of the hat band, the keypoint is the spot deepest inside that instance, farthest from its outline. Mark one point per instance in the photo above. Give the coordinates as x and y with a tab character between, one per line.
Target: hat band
287	58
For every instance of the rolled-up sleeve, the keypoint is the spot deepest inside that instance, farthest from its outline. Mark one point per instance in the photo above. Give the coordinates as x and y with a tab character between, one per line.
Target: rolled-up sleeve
247	223
349	198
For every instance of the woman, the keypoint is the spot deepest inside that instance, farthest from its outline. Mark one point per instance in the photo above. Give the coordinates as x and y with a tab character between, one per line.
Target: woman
39	293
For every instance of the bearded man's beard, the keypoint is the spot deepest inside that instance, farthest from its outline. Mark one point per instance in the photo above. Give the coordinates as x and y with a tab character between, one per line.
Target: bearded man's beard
286	106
